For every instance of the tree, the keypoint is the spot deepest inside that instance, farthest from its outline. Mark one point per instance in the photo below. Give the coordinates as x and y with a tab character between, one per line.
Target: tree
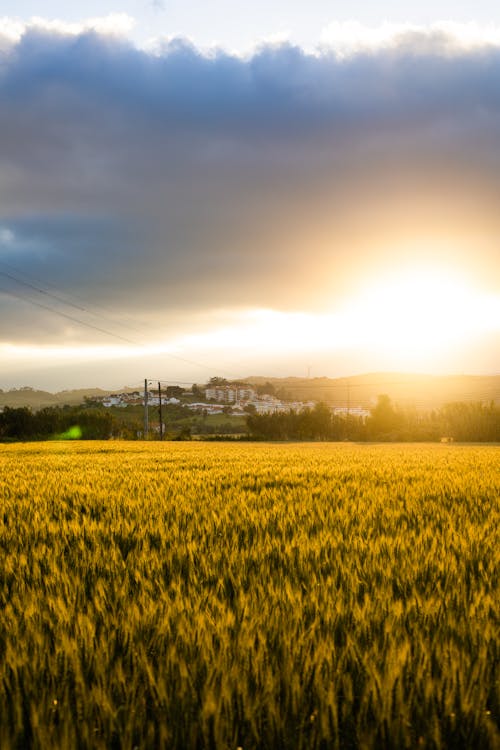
17	423
174	391
472	421
267	389
384	422
91	402
215	381
309	424
322	421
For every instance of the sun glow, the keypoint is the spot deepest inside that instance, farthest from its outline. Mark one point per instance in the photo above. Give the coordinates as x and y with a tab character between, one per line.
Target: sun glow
415	317
419	311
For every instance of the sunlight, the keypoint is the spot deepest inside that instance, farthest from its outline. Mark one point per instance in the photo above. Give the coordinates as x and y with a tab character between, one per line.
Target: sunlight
411	318
418	311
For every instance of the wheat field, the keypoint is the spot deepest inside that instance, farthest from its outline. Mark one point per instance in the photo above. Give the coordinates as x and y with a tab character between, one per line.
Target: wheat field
190	595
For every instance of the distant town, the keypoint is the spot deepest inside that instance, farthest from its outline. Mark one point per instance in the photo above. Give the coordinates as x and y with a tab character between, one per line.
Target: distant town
388	407
221	398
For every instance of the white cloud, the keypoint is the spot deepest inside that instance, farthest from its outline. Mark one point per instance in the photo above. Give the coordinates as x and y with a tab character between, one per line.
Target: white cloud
345	38
116	24
113	24
11	31
351	37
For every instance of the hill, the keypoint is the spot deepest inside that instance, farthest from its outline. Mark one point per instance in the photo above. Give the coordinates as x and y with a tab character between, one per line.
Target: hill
36	400
424	392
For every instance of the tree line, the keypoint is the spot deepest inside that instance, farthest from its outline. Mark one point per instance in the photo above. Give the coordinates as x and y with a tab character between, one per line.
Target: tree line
461	422
465	422
55	422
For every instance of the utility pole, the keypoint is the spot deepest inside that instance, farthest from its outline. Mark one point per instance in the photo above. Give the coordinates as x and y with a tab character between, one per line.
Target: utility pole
146	420
348	435
159	410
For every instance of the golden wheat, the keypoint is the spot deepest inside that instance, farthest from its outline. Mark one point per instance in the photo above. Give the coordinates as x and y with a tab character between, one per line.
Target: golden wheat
256	596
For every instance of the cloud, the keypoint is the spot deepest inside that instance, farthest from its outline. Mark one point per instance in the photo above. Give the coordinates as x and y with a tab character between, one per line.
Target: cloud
114	24
348	38
170	184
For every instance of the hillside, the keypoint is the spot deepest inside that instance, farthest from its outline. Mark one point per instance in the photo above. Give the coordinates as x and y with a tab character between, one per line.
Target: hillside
423	392
39	399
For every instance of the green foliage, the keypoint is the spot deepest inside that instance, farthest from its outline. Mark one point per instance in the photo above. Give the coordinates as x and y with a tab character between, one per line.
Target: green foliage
186	595
384	421
56	422
184	434
475	422
174	391
197	391
266	388
127	422
461	422
16	423
310	424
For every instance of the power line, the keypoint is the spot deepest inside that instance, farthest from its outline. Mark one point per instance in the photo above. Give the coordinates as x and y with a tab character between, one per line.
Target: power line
40	290
340	386
165	382
344	386
74	319
59	298
86	309
69	317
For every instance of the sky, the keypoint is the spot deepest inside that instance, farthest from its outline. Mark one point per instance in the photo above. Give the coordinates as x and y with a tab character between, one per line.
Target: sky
192	189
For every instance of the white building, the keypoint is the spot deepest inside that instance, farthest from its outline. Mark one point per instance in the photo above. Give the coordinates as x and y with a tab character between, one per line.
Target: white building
113	401
272	405
208	408
229	394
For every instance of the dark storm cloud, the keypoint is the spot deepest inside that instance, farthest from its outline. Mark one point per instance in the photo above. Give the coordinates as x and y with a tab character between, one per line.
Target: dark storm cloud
186	181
